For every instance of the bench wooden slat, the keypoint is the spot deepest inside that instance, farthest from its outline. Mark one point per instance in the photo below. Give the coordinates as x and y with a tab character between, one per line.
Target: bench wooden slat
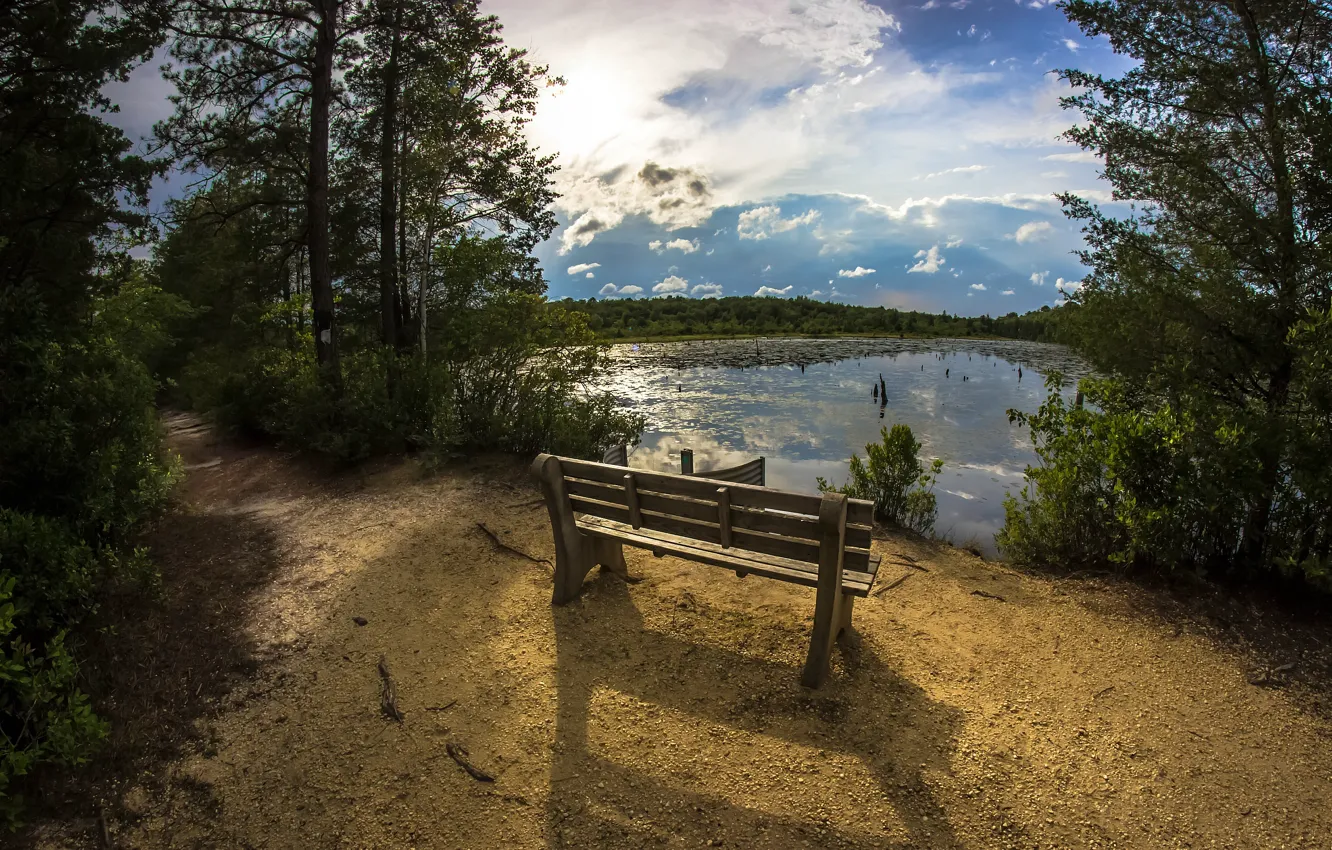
724	516
799	526
752	472
790	548
694	487
631	501
855	582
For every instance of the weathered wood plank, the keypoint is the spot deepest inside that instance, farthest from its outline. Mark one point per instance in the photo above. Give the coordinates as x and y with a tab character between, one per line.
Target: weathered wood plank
631	497
795	572
743	495
751	472
724	516
709	531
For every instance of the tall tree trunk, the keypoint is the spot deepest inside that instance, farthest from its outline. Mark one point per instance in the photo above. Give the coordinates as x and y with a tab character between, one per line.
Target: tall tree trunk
423	288
388	185
316	195
403	301
1253	549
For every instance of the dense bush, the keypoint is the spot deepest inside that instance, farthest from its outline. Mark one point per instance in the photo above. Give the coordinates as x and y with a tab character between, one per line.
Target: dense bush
1156	487
83	468
895	480
1207	446
513	374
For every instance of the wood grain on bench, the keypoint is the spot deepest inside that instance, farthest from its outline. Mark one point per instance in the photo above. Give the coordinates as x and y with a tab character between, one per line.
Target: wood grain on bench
815	541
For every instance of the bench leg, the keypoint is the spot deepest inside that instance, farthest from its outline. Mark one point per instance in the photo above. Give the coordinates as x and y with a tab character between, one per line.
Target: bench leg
830	622
572	564
610	555
574	553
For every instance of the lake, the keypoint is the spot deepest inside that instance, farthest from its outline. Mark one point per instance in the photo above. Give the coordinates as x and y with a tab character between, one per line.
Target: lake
807	404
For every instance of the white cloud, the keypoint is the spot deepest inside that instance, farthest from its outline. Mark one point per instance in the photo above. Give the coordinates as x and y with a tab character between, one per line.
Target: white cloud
1077	156
631	290
856	272
961	169
930	261
1072	45
767	268
656	245
953	243
591	275
979	287
706	290
1067	287
608	289
770	290
1038	278
670	285
683	245
1032	231
1007	292
816	293
762	222
583	267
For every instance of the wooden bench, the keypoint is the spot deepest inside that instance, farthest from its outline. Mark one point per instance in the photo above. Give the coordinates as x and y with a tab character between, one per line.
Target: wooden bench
816	541
750	472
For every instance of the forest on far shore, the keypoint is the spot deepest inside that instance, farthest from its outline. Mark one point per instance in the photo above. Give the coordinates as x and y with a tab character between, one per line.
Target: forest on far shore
676	316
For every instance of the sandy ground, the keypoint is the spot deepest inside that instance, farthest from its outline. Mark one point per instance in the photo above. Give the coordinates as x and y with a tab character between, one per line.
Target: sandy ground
665	712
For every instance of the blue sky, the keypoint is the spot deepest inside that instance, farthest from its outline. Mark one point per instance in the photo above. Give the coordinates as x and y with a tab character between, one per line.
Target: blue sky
892	153
902	154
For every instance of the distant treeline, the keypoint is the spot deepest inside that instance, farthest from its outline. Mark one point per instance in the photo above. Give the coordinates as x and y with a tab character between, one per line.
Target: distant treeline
739	316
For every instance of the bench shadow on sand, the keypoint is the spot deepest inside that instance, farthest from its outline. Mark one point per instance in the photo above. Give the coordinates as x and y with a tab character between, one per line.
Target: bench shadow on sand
868	713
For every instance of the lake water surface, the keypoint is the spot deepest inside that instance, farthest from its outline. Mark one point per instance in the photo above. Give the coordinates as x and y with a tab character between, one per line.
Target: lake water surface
806	405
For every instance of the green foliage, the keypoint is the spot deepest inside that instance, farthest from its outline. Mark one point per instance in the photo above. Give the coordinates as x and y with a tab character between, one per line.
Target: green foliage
630	318
81	461
511	377
895	480
1205	448
45	718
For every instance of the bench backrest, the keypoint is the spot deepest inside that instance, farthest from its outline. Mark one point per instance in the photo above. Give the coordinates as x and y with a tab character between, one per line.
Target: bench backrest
750	472
732	515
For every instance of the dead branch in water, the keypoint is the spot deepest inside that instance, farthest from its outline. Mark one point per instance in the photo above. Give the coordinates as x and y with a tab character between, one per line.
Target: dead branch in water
500	543
459	753
388	692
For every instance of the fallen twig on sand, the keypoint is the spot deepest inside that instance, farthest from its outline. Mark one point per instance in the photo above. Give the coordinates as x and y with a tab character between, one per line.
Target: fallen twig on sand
1103	691
388	692
908	561
451	703
530	504
892	584
459	753
1271	676
983	594
372	525
500	543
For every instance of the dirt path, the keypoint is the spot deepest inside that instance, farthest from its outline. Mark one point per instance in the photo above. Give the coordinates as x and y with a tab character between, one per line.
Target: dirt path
667	712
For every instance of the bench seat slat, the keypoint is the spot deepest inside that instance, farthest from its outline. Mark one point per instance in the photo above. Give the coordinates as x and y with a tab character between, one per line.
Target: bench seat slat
856	559
784	524
856	582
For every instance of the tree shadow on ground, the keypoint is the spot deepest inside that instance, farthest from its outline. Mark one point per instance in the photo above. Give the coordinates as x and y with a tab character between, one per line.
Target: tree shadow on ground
157	664
777	759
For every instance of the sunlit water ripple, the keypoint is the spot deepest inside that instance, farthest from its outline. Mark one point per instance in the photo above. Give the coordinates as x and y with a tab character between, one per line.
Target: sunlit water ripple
806	405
